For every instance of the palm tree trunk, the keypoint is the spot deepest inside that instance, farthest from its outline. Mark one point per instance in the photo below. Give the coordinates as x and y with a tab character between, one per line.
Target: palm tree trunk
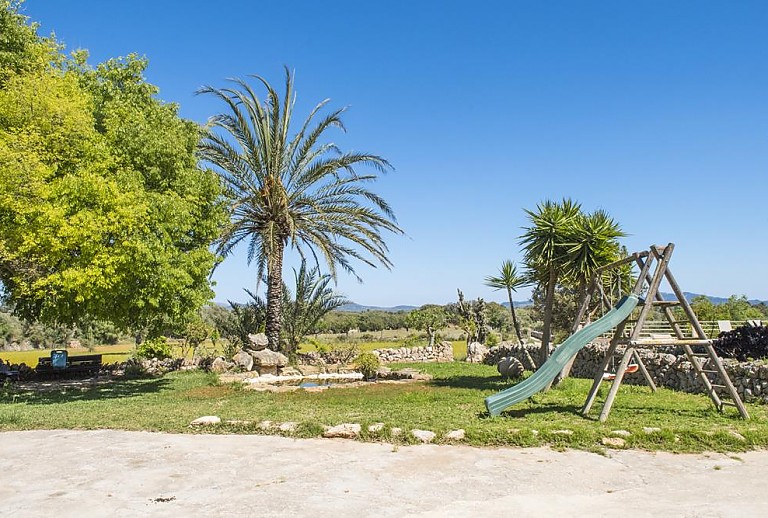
274	297
548	303
516	325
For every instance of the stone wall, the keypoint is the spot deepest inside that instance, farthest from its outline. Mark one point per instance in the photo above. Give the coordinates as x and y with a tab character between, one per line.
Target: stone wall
442	352
668	370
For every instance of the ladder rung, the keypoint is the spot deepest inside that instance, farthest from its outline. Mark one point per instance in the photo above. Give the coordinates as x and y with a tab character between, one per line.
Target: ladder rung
709	371
729	403
666	302
717	386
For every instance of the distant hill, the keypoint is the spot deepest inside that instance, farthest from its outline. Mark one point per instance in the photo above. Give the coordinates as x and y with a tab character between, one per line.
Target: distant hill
359	308
715	300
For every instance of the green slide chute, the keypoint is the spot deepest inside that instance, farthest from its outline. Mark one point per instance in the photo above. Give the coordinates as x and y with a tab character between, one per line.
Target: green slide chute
560	357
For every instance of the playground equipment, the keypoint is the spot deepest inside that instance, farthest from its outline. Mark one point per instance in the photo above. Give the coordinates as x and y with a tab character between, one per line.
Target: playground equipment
629	333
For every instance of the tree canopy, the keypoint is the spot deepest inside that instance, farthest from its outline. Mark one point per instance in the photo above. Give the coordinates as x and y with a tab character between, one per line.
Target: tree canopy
104	212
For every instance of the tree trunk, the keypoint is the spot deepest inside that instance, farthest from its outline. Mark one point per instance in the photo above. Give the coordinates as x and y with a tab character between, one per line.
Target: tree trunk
548	303
431	333
274	297
515	323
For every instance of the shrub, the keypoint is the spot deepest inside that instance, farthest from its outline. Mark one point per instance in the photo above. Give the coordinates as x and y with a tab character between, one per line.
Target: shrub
154	348
743	343
368	364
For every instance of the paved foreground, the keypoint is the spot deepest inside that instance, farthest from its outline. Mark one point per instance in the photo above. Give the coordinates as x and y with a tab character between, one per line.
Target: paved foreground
106	473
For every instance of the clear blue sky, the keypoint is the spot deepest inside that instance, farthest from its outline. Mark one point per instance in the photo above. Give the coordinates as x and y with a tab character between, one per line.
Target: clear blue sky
655	111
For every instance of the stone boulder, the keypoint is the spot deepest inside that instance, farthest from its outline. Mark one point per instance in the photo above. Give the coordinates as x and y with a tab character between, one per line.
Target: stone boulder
220	365
510	367
476	352
243	360
268	361
258	341
342	431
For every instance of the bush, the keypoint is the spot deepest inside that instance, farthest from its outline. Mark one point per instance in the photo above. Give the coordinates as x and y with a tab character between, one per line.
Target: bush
743	343
368	364
154	348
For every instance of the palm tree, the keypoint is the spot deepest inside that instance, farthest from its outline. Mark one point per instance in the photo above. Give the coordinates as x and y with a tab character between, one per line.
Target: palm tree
298	192
594	243
510	280
544	243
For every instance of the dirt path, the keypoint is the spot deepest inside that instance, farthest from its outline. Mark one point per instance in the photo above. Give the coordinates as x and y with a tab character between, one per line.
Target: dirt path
113	473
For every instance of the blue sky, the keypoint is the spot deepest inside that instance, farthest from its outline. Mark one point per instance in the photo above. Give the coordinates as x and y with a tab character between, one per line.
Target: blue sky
655	111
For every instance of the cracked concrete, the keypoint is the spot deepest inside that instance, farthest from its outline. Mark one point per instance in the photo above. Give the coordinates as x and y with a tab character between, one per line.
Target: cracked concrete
116	473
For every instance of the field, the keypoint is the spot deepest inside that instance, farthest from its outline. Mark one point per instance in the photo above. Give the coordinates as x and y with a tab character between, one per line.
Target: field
453	400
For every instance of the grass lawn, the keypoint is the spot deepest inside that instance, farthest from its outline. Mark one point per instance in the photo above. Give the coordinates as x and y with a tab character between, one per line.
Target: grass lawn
454	399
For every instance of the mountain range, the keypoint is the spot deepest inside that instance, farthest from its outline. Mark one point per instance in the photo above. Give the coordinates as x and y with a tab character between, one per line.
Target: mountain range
357	308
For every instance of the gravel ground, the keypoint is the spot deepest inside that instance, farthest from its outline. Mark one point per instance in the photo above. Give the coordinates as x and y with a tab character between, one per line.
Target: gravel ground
115	473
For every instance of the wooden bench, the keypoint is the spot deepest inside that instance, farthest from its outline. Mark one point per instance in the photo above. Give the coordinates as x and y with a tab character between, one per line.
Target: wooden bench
59	362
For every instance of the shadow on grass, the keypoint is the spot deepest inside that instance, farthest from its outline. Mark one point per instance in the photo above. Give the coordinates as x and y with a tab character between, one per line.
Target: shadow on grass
472	382
112	389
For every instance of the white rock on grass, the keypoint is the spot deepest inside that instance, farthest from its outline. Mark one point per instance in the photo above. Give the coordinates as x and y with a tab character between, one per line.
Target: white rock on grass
425	436
563	432
206	420
737	435
265	425
342	431
651	429
288	426
620	433
456	435
396	431
614	442
376	427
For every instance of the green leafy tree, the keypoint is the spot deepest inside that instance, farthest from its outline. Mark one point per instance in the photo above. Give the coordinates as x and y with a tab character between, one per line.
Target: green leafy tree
104	213
429	318
509	280
297	191
311	300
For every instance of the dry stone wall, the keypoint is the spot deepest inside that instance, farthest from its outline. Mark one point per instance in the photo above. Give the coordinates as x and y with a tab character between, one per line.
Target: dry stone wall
668	370
442	352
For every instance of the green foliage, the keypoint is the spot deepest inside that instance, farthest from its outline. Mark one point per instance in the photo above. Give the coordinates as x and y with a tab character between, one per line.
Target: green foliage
312	299
368	364
104	213
563	247
154	348
429	318
735	308
293	191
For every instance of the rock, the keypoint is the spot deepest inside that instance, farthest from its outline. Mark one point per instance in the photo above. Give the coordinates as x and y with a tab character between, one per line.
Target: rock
315	389
476	352
342	431
290	371
269	358
510	367
206	420
383	372
265	425
376	427
288	426
737	435
456	435
220	365
563	432
614	442
243	360
396	431
258	341
620	433
425	436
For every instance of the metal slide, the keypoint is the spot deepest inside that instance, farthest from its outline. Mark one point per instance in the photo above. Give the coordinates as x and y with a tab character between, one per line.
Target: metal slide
562	354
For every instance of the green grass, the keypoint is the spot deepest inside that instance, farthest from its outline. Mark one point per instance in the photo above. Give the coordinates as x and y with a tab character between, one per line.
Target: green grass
454	399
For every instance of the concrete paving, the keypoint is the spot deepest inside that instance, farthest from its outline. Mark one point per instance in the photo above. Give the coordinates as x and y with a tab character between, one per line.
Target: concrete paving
115	473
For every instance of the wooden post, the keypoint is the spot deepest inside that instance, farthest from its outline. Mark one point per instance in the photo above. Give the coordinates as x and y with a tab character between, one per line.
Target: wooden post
616	384
601	370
